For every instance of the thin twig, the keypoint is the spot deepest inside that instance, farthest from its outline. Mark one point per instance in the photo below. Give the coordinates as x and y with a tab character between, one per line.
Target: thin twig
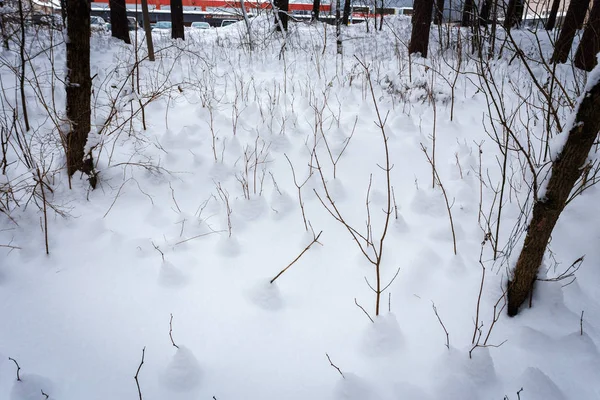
335	366
18	368
171	332
159	250
442	324
315	240
137	382
365	311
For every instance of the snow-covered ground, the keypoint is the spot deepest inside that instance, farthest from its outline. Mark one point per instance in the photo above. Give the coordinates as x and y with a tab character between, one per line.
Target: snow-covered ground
171	256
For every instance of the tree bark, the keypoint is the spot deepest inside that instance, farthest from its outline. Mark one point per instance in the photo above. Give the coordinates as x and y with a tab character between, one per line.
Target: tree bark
346	17
118	20
282	13
571	23
147	30
467	14
421	20
78	87
177	31
438	16
315	10
566	169
589	47
514	14
484	13
551	22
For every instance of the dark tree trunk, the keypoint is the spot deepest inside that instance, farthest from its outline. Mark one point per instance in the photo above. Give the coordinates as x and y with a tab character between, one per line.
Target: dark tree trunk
282	13
147	30
484	13
551	22
467	14
346	17
514	14
177	20
421	20
438	15
78	87
572	21
585	57
315	10
566	169
118	20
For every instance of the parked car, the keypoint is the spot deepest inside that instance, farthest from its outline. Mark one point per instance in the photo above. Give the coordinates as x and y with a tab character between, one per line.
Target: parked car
200	25
132	24
98	24
227	22
162	26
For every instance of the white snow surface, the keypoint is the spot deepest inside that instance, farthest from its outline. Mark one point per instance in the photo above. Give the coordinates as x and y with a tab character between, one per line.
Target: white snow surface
194	215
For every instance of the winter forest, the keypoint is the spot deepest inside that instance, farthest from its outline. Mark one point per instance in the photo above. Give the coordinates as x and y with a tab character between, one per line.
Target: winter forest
344	201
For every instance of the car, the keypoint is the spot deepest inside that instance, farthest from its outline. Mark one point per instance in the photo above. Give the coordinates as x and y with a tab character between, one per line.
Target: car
227	22
132	24
200	25
162	26
97	24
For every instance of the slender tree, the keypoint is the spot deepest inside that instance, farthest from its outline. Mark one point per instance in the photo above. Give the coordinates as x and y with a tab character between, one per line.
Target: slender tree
118	20
79	88
566	170
283	7
421	21
551	22
438	16
514	13
572	22
315	10
467	13
147	30
177	31
346	16
589	46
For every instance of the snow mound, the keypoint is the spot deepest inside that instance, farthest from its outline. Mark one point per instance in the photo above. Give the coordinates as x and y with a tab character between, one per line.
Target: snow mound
183	373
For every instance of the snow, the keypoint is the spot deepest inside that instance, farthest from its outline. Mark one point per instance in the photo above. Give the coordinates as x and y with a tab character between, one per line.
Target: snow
194	216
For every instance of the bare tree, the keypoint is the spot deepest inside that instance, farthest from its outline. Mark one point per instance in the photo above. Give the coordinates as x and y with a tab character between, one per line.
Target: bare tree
147	30
551	22
177	31
566	170
438	16
315	10
589	46
572	22
467	13
282	13
421	20
514	14
118	20
79	87
346	16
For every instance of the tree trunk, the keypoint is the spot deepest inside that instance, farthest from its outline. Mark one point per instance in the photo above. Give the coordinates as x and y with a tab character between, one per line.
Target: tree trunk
514	14
589	47
572	21
467	14
346	17
421	20
338	31
315	10
177	31
484	13
118	20
566	169
438	16
551	22
282	13
147	30
78	87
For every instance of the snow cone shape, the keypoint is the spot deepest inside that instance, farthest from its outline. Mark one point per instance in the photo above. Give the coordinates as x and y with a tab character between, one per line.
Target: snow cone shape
171	276
183	373
383	336
229	247
30	387
281	204
353	387
539	386
267	296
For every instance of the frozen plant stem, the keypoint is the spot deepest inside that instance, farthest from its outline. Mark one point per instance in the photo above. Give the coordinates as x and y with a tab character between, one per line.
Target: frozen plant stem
335	366
442	324
137	382
171	332
18	368
315	240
